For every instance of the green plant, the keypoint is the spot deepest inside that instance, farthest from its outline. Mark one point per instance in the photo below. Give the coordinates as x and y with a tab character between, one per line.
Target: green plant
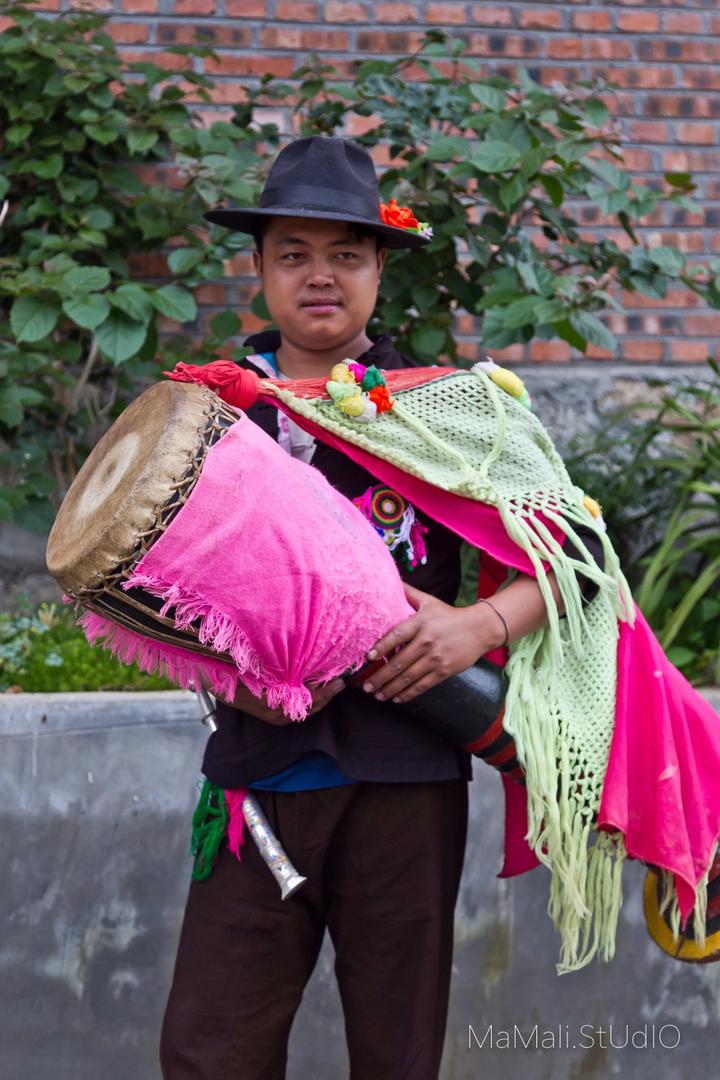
656	471
82	132
42	651
498	168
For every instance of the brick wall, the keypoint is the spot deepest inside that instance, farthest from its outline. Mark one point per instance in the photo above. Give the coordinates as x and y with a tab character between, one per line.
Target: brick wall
663	56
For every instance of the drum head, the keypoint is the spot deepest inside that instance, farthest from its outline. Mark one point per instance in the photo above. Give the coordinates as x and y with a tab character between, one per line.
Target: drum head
685	947
126	481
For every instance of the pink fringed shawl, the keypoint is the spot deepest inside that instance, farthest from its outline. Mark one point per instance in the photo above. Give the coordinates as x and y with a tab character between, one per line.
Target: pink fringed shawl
661	788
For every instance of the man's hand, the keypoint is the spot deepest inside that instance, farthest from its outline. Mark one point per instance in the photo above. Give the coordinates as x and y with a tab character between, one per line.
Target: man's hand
247	702
438	641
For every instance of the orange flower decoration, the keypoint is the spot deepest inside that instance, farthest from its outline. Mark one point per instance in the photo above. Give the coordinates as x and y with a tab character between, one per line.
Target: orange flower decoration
401	217
380	396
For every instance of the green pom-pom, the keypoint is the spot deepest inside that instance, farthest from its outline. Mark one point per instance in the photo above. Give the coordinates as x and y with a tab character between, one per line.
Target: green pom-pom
372	378
338	390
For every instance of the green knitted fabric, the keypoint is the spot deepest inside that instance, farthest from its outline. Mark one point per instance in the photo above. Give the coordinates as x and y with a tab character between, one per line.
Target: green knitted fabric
461	432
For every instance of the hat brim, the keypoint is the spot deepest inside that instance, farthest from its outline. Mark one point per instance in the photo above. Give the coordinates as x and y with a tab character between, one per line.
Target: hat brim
247	220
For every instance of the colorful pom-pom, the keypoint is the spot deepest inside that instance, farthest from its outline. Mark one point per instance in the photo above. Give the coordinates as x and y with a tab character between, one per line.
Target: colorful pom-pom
341	373
593	506
372	378
507	380
357	370
338	391
353	405
381	396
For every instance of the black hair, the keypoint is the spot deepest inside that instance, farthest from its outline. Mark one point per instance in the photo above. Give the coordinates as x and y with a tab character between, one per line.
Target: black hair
357	231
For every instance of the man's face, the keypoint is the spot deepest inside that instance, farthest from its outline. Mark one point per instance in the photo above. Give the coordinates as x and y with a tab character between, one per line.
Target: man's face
320	282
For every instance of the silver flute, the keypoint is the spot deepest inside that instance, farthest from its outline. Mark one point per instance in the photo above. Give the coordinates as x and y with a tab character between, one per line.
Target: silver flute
268	844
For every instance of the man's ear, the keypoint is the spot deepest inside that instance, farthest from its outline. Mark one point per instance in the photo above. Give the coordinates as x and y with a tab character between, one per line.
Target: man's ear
257	262
381	259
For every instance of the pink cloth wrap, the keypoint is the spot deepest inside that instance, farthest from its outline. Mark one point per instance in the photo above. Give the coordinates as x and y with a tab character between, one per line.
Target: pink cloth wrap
281	570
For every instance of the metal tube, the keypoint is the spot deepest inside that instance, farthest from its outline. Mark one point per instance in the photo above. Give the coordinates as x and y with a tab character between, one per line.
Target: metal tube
268	844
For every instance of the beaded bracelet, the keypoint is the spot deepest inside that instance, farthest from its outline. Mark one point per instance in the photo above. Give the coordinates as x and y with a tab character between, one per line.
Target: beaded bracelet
502	620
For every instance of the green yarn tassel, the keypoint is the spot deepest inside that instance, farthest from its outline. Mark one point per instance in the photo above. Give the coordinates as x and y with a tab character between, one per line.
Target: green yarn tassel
209	825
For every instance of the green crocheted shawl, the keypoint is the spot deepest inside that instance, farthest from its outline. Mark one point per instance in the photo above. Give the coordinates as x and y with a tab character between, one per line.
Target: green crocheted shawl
461	432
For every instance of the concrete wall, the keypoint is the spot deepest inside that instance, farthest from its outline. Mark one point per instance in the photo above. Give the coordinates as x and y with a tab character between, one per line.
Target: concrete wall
98	793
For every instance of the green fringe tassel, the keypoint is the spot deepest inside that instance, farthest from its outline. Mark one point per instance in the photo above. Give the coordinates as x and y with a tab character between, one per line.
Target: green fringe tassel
209	825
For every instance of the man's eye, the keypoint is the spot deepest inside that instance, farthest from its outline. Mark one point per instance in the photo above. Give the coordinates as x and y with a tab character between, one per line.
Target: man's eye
347	255
292	256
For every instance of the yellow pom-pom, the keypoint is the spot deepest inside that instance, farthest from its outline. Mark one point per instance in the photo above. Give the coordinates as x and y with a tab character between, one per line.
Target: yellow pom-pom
508	381
593	506
353	405
342	373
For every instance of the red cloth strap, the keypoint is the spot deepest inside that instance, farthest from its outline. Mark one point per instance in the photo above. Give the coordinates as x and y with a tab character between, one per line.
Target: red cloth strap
234	384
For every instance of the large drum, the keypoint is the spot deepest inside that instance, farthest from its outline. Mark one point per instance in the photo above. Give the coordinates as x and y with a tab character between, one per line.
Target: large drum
197	546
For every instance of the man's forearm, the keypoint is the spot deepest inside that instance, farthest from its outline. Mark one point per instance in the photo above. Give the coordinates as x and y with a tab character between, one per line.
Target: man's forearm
522	606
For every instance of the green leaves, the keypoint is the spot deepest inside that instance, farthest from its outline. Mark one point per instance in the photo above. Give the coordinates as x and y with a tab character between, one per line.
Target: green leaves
120	337
175	303
87	279
87	311
33	317
492	156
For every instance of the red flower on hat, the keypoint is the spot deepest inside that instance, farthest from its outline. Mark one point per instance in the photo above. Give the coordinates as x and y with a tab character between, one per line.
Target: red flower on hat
401	217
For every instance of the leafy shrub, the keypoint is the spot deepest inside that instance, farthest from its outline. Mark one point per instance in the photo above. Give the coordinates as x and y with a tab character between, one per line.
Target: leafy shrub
656	470
43	651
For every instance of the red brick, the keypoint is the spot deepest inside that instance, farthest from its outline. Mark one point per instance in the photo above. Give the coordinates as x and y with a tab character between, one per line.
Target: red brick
653	131
556	351
703	324
684	22
396	13
610	48
689	351
510	354
701	78
140	7
343	11
169	61
373	43
638	160
220	35
445	14
487	15
704	134
294	11
542	19
251	65
127	33
642	350
591	20
194	7
246	9
502	44
565	48
287	37
211	293
638	22
594	352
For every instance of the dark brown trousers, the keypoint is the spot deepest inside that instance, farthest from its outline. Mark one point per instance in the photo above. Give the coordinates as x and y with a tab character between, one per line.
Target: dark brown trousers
383	863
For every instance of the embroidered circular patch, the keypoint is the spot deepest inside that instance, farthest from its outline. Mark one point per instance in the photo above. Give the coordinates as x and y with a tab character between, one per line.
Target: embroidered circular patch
387	508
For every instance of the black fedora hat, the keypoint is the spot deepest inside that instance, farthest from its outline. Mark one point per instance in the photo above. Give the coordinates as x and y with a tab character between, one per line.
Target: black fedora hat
326	178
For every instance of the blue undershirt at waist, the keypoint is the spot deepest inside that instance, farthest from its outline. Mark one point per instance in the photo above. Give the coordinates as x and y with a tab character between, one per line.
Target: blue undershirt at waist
312	771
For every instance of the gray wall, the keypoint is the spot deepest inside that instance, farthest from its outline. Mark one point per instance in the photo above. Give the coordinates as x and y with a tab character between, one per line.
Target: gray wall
98	793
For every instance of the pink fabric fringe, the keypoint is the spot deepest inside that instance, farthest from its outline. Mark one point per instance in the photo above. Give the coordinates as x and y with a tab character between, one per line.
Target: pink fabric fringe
236	824
180	666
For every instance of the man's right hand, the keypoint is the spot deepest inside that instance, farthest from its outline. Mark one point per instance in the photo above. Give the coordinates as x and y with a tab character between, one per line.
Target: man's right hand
247	702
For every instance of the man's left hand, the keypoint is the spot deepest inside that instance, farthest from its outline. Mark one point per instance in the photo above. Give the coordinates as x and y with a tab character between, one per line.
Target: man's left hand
438	641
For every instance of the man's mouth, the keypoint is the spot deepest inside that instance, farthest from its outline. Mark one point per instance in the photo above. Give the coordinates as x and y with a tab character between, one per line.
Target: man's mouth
320	304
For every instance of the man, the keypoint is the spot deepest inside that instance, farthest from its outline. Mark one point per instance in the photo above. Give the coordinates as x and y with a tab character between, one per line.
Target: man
369	807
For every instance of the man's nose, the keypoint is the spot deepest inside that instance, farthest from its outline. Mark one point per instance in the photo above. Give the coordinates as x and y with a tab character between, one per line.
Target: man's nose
320	272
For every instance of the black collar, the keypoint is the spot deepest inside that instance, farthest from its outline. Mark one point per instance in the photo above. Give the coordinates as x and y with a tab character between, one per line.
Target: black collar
382	352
